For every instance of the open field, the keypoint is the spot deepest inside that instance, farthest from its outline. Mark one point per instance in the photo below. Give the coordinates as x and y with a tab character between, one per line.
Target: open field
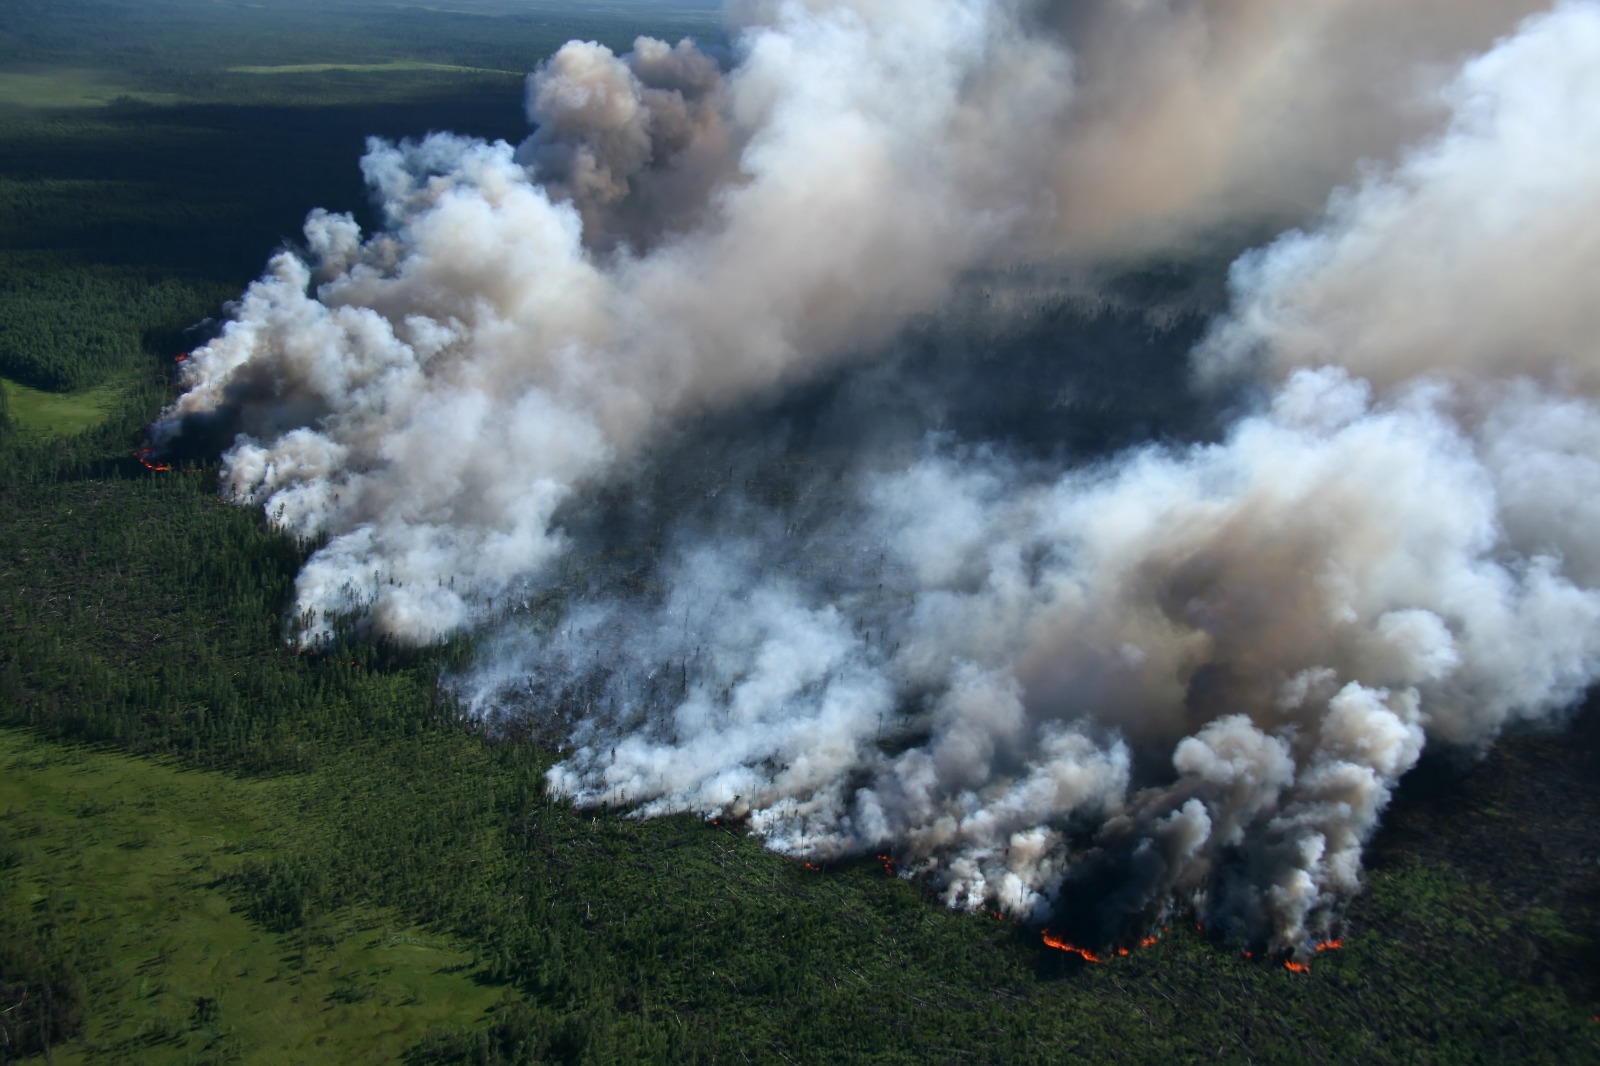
52	414
129	859
67	87
397	66
242	854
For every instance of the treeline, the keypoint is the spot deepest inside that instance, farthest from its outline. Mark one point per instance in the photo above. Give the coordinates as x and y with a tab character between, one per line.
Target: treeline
43	996
68	329
165	44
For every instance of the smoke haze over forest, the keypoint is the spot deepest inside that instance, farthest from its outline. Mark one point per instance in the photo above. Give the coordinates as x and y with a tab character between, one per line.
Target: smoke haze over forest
849	429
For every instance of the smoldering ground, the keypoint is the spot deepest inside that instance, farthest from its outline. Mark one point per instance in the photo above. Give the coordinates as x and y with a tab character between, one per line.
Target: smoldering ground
799	433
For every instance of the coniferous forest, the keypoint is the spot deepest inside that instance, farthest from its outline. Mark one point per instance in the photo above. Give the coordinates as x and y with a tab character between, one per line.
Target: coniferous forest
217	848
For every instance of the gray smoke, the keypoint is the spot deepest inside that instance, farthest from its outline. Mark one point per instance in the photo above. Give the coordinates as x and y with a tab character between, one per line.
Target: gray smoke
1094	688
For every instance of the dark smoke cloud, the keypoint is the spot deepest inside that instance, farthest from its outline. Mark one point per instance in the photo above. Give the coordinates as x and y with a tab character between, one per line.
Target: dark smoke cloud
705	402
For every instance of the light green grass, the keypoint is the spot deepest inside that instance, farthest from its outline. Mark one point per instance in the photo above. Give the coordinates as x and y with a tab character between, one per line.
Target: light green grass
128	855
37	413
69	87
396	66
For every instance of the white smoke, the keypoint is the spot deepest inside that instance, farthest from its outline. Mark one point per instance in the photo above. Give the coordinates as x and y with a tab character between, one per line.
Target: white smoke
1187	673
435	398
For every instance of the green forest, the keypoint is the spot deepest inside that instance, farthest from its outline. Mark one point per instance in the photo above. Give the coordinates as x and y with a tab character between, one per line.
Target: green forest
216	848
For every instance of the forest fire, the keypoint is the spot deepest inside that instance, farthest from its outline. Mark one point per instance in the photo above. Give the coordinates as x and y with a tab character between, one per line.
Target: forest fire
147	459
1061	945
1087	955
901	679
1322	945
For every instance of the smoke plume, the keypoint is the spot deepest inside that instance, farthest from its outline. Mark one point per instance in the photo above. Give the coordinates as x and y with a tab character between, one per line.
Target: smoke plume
811	429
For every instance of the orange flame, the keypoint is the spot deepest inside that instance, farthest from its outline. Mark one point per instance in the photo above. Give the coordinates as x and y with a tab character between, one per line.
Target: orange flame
146	459
1331	945
1148	942
1297	967
1061	945
180	357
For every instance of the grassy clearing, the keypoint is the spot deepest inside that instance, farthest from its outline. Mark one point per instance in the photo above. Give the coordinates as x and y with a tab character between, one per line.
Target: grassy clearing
127	856
70	87
396	66
38	413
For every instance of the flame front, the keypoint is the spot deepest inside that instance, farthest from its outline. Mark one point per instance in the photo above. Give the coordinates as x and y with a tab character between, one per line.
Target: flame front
146	457
1061	945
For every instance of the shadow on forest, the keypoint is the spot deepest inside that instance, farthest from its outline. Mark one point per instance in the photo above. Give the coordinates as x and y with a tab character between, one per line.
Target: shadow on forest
228	183
1519	821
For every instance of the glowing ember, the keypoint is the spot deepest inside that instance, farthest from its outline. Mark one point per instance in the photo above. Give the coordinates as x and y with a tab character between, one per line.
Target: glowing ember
1061	945
1148	942
1297	967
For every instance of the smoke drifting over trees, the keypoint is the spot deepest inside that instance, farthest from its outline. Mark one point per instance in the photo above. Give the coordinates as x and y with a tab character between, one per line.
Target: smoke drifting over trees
1063	673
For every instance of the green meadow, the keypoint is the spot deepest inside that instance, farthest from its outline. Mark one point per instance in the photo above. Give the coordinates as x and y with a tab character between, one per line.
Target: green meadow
36	412
69	88
128	859
396	66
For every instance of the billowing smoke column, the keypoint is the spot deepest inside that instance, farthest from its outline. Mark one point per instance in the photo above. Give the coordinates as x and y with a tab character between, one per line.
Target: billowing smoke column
1078	690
